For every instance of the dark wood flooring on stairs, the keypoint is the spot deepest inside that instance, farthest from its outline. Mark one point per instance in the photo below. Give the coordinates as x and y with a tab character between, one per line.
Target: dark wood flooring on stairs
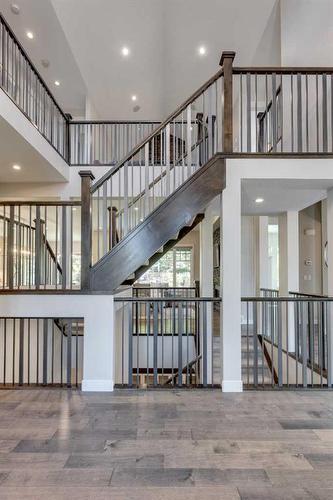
165	445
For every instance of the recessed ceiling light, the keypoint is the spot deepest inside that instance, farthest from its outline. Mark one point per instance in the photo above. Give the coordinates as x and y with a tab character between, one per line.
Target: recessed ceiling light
125	51
259	200
15	8
16	167
202	50
134	97
57	83
30	35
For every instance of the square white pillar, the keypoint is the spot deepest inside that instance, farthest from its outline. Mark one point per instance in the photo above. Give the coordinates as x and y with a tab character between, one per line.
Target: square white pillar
231	284
206	281
289	269
329	222
263	263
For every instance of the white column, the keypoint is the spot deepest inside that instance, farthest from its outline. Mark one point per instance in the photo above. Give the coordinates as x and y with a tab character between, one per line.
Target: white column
289	266
288	252
263	267
231	284
206	280
330	278
98	354
329	222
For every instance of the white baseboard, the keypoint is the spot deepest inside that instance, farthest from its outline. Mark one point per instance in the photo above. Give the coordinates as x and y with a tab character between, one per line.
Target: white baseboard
97	385
232	386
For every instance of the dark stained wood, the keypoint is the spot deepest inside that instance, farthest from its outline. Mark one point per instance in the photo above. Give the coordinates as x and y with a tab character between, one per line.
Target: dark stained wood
168	246
162	225
226	62
86	230
262	70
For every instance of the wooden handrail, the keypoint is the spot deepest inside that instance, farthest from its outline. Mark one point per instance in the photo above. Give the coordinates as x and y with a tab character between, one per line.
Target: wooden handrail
155	132
284	70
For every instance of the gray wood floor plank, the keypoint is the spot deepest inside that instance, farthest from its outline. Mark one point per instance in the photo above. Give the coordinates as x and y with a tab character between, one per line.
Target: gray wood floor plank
165	445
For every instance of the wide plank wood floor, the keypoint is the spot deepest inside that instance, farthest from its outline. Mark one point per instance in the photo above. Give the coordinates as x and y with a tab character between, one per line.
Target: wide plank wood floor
165	445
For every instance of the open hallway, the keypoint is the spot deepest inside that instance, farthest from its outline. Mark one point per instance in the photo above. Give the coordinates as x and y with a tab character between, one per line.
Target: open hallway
156	445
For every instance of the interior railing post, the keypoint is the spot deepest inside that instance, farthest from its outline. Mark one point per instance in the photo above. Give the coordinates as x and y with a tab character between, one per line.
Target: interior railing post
10	248
86	227
69	354
226	62
68	142
199	119
38	247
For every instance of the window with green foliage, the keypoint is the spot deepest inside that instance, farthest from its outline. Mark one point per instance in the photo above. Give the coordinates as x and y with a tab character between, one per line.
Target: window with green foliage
173	269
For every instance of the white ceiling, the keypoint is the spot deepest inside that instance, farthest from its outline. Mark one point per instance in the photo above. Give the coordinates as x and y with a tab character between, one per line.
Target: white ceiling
83	41
281	195
164	67
16	150
49	43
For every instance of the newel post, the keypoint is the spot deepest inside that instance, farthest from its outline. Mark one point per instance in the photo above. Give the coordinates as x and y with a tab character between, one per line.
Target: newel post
226	62
86	227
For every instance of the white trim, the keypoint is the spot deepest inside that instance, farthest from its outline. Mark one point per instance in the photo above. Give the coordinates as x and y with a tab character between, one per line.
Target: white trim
97	385
232	386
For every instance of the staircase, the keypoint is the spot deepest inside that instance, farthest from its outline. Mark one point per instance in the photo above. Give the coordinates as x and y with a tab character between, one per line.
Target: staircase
145	204
163	250
161	230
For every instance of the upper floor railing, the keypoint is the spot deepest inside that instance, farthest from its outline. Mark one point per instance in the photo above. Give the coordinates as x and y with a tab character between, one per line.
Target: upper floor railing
40	245
105	142
283	110
23	84
261	110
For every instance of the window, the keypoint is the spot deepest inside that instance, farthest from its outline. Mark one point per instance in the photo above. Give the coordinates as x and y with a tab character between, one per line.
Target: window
173	269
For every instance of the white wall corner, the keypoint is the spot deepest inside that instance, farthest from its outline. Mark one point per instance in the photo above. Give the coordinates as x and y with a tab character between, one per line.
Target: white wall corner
232	386
97	385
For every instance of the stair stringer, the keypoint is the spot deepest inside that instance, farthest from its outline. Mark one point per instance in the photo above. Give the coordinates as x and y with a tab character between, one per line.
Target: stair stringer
160	226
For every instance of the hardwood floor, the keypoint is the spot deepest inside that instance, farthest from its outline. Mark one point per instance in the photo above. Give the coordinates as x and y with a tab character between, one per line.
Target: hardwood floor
165	445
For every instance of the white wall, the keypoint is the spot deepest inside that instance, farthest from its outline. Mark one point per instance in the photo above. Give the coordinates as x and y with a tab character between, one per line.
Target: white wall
306	32
249	235
97	312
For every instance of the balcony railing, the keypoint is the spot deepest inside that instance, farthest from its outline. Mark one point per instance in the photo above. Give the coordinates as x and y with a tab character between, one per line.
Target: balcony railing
41	351
287	341
24	85
166	342
283	110
105	143
40	245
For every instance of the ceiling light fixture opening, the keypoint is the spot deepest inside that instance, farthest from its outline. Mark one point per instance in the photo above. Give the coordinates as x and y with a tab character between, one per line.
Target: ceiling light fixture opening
125	51
16	167
259	200
57	83
30	35
15	8
134	97
202	50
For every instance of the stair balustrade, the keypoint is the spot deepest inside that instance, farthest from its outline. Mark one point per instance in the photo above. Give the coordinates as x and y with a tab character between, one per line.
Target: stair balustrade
160	164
